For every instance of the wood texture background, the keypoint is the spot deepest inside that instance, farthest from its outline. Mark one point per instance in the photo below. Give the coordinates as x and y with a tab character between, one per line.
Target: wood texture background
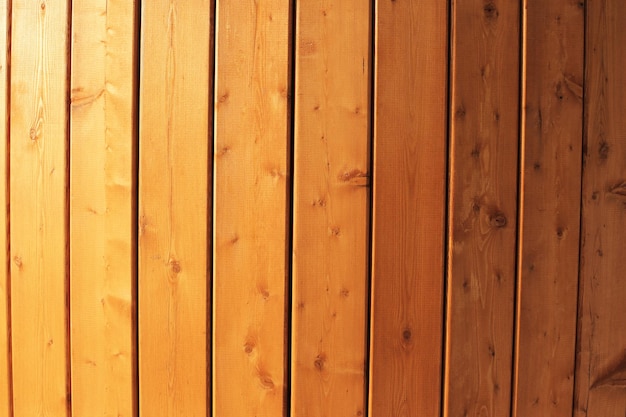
326	208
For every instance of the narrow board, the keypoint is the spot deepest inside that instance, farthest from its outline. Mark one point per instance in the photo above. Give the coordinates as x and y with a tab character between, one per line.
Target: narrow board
601	363
483	207
550	208
408	208
39	62
102	133
5	360
251	210
331	208
174	177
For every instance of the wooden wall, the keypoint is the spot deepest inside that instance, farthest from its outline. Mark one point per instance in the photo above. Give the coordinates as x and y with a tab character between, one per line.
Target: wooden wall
320	208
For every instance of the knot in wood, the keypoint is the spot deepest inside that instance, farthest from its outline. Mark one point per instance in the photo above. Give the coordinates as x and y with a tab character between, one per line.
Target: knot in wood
498	220
174	266
320	362
491	11
406	335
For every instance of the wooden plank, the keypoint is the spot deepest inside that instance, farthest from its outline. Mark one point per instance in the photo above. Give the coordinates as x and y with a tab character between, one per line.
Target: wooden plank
409	208
601	358
39	60
174	179
483	207
5	360
251	212
550	208
101	208
331	208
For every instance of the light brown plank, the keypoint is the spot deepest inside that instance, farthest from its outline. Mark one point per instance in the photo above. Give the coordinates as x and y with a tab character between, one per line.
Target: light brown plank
174	167
331	205
483	207
409	207
39	59
250	214
601	363
102	243
550	208
5	360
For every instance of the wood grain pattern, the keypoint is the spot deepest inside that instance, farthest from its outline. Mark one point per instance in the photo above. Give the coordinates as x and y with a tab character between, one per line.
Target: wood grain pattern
483	212
101	209
250	212
5	360
39	53
174	167
331	208
550	208
409	208
601	362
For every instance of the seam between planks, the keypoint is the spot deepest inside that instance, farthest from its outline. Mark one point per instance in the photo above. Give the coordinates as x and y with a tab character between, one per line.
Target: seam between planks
583	138
68	127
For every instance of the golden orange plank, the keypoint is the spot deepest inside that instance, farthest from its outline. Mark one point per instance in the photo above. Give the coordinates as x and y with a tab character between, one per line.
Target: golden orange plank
331	208
174	177
251	211
38	185
102	245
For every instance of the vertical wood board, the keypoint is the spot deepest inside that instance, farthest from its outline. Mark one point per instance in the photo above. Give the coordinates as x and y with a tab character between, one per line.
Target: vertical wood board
408	207
103	351
601	353
331	208
39	62
5	360
550	208
251	208
174	167
483	212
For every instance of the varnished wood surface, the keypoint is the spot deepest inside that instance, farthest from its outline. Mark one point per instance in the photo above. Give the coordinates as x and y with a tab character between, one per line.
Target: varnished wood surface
251	210
38	221
484	131
331	208
174	176
102	233
408	208
551	145
187	197
601	355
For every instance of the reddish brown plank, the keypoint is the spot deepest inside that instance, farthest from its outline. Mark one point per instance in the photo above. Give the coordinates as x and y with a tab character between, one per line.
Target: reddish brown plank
409	207
601	354
550	208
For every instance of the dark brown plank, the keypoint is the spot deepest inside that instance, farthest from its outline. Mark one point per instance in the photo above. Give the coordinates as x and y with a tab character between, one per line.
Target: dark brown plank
483	207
